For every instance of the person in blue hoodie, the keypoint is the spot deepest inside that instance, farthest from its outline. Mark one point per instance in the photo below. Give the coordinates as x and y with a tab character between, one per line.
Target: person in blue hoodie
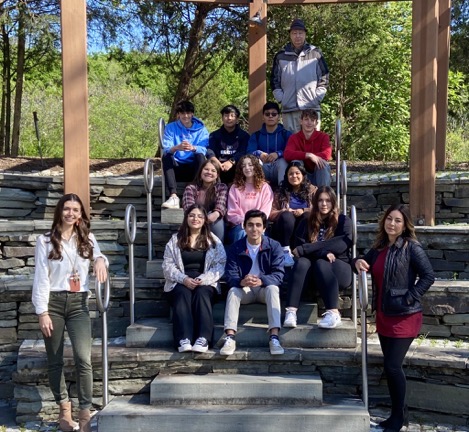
268	144
185	144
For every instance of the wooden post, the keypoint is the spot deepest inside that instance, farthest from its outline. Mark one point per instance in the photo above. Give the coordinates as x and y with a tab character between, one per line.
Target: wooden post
442	82
423	110
257	36
75	99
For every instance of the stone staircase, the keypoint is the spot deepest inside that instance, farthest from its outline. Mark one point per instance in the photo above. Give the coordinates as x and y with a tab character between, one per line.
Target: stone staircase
234	403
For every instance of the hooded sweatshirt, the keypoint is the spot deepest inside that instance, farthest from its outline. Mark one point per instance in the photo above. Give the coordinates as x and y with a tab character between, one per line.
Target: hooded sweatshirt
268	142
176	132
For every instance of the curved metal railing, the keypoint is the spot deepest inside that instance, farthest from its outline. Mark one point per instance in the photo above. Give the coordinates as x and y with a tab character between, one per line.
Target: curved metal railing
103	306
161	127
353	216
148	180
363	295
343	187
338	143
130	233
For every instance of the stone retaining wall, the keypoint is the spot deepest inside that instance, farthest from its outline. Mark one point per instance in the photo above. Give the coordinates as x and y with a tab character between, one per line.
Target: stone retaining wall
32	196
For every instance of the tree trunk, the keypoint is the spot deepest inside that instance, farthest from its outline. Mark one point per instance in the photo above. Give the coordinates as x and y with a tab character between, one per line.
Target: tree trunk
188	69
15	142
6	93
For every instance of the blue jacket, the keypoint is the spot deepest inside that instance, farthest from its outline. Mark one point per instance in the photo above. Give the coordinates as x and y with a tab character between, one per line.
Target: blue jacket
176	132
265	142
270	258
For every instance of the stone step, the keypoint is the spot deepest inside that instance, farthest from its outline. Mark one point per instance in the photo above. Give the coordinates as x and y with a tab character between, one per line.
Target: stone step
158	332
236	389
172	216
125	414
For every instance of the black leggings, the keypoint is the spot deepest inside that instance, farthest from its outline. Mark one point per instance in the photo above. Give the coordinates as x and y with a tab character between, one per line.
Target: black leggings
284	227
174	171
325	276
192	312
394	351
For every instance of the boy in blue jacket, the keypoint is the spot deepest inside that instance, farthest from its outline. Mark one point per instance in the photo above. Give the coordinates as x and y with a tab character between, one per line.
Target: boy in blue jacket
185	143
268	144
254	270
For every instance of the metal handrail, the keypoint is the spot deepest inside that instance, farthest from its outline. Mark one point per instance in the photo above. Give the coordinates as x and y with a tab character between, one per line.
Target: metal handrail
343	187
148	180
103	306
363	291
130	233
353	216
161	127
338	141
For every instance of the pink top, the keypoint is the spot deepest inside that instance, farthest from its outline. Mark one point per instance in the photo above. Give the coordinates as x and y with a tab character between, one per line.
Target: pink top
240	201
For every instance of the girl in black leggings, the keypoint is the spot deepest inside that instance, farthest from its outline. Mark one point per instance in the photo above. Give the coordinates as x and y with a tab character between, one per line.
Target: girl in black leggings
394	261
323	243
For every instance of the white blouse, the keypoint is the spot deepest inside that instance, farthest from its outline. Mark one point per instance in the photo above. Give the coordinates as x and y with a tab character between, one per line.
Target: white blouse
53	275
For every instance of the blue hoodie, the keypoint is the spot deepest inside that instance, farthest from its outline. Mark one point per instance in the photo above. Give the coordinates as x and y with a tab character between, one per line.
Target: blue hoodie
265	142
176	132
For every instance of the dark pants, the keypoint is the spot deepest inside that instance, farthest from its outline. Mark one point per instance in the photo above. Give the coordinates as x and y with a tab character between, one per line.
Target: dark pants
227	177
70	311
325	276
394	351
192	312
174	171
284	227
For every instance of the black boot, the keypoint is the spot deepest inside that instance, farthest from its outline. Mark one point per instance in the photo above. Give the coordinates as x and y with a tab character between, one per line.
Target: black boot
395	422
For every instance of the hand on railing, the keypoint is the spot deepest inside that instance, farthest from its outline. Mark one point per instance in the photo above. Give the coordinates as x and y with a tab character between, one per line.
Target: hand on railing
103	303
363	290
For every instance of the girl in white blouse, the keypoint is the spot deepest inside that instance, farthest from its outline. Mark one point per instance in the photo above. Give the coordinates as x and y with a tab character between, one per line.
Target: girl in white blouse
60	297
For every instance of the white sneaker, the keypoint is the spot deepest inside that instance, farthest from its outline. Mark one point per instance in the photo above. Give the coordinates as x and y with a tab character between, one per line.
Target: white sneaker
200	345
172	202
288	260
184	345
290	319
275	347
228	347
331	320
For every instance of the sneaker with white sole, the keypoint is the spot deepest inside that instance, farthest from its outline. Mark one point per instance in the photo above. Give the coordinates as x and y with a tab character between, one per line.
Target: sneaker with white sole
275	347
330	320
288	260
290	319
228	347
172	202
200	345
184	345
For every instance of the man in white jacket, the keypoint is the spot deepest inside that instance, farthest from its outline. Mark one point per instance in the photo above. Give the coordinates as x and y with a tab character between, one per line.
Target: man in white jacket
299	78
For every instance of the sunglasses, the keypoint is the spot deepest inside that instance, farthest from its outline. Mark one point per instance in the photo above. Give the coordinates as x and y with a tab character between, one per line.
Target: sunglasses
271	114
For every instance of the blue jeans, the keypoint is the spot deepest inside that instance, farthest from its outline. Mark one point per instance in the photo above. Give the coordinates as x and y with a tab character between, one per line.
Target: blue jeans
275	171
70	311
320	176
236	233
218	228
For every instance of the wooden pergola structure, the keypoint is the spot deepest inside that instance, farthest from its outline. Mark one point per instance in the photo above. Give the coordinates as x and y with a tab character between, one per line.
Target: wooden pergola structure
429	69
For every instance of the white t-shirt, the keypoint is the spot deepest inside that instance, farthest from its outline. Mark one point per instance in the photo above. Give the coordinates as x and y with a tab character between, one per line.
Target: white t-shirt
253	250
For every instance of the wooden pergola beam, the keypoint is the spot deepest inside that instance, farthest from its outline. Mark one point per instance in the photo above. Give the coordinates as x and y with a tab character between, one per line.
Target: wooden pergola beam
75	100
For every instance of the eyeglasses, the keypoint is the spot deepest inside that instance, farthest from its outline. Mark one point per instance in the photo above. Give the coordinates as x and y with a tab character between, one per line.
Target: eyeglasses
196	216
271	114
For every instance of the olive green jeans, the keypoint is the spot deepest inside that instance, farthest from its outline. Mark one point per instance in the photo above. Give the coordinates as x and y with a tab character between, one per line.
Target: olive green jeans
70	311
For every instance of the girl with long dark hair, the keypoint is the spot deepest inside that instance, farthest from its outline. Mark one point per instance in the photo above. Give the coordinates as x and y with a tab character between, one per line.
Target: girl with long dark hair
207	191
292	203
322	246
60	297
193	264
395	261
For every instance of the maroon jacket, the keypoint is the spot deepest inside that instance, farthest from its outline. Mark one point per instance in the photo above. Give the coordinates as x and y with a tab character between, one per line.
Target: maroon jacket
298	146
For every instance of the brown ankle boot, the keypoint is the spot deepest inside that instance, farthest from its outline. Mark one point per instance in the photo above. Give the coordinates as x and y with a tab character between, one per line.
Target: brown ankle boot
84	420
66	423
